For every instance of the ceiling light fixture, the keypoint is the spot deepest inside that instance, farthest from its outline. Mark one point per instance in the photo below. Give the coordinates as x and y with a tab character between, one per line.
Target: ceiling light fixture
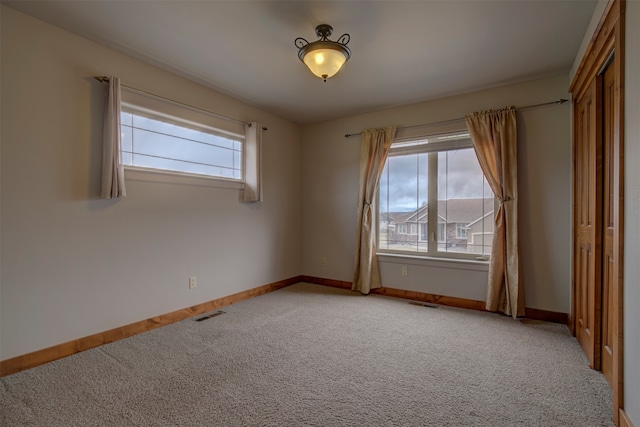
324	57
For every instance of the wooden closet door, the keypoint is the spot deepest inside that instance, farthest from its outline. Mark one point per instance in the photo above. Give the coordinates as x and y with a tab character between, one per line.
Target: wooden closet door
587	223
598	201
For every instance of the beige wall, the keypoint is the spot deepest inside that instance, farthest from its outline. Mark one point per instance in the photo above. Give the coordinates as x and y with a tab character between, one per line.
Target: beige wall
73	264
330	176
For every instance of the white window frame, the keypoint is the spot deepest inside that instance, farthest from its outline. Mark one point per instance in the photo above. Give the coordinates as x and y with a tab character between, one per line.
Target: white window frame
432	144
167	111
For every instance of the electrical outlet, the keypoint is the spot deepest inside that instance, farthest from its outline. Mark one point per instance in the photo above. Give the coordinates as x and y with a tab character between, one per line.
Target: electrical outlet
193	282
405	270
323	260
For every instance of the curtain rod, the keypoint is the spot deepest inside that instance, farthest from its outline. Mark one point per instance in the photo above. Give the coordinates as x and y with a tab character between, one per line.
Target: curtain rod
526	107
105	79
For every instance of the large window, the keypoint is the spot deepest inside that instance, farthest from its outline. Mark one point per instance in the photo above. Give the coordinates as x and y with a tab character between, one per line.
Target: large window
434	185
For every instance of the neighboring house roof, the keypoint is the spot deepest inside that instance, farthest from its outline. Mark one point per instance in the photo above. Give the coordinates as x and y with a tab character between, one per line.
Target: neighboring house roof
419	215
465	211
393	217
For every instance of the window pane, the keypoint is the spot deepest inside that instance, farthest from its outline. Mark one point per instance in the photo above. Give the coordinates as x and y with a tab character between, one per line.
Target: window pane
385	220
403	199
480	234
148	144
464	206
161	127
126	135
153	143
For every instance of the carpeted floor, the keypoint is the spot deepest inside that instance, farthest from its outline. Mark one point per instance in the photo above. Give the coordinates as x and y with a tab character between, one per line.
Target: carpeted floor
308	355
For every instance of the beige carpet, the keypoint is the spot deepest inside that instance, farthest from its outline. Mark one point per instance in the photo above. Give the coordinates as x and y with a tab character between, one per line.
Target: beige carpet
308	355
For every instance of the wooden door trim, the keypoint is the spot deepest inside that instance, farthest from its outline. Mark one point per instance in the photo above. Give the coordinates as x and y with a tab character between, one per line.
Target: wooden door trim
604	40
625	421
607	38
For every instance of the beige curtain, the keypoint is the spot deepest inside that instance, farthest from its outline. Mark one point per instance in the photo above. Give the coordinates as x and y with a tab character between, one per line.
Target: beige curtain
112	169
494	138
253	163
374	148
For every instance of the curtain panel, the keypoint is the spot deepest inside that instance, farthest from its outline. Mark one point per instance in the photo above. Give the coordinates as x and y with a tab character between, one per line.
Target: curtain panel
253	163
374	149
112	170
494	137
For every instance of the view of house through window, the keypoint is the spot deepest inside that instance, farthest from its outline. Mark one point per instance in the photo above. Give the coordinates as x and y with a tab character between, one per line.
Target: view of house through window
163	143
434	199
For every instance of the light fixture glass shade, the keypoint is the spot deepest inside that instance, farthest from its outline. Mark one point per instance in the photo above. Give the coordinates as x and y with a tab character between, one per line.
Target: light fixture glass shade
324	63
324	57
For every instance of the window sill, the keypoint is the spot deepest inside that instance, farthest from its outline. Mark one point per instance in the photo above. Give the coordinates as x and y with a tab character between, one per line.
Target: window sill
169	177
425	261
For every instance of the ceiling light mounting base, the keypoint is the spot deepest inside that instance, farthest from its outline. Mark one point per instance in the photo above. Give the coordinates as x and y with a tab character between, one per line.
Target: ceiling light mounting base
324	31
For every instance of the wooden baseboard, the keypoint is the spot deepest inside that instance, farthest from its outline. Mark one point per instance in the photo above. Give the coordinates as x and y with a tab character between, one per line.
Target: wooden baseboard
624	420
40	357
547	316
326	282
530	313
400	293
431	298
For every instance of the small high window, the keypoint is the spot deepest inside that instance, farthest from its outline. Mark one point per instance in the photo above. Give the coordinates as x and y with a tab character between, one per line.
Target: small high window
158	142
167	136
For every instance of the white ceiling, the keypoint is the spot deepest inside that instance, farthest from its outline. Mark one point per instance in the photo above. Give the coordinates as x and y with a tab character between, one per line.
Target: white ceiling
402	51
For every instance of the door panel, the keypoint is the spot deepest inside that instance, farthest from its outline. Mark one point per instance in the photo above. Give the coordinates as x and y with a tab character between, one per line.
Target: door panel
588	223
